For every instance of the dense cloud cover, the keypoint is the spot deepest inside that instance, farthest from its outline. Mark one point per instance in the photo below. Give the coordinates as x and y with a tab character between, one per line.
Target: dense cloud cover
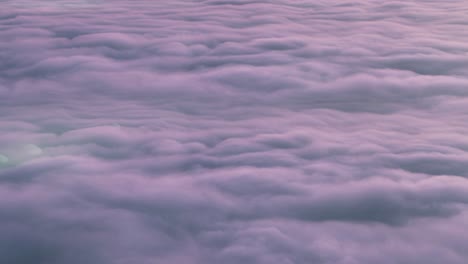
233	131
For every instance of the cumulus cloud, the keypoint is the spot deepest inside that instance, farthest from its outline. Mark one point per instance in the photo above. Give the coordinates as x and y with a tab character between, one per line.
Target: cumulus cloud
233	132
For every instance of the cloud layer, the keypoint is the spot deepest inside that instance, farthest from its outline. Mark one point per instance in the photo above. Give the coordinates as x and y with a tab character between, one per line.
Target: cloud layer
240	131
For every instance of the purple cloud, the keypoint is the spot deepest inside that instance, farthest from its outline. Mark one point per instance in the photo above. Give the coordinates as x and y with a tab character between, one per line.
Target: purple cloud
253	131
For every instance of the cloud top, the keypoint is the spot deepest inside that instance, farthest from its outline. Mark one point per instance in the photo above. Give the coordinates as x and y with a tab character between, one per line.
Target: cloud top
253	131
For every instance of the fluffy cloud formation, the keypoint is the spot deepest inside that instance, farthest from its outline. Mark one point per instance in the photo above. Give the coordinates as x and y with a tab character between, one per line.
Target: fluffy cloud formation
249	131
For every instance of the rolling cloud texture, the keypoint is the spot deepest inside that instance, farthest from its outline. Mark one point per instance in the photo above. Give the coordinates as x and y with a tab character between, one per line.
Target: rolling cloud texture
233	131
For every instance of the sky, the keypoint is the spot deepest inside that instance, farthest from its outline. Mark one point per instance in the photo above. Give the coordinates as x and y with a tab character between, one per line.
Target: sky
233	131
